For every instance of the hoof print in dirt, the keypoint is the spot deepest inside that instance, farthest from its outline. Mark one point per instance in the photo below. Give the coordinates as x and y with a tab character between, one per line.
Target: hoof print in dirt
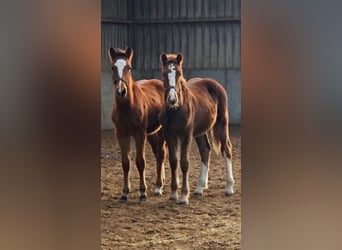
143	198
123	199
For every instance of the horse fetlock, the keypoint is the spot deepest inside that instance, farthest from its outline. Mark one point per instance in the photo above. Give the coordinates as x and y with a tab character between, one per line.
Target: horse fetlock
158	191
174	196
230	185
143	197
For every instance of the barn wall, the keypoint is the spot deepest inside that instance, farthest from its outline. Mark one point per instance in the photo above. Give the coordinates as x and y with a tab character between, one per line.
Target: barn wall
207	32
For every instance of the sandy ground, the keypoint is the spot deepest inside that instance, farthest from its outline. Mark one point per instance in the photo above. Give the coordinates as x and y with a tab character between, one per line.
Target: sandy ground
209	222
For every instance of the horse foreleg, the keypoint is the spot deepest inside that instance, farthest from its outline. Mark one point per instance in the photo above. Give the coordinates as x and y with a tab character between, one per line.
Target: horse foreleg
184	162
158	146
204	149
124	142
172	144
140	144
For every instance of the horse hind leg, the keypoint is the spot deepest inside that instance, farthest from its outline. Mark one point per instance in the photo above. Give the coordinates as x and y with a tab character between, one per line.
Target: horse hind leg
221	139
204	149
158	145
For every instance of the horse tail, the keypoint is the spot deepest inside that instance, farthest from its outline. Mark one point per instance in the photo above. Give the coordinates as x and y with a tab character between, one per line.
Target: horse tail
216	142
220	129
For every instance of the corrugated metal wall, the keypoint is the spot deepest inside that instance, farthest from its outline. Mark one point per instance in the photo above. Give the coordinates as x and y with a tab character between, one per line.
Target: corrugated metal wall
207	32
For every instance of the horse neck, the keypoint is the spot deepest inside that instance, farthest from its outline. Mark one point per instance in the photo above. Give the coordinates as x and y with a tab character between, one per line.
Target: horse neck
183	90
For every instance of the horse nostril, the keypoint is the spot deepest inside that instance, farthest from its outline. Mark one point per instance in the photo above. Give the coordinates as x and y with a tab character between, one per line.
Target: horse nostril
124	92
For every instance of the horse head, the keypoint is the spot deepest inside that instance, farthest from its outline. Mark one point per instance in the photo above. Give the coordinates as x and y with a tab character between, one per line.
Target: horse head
172	74
121	61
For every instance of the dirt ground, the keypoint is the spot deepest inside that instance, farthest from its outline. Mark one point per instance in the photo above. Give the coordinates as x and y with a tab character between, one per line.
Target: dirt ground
209	222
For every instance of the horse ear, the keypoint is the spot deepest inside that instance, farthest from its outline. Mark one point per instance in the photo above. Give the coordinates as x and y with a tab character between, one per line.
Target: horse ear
129	53
111	54
179	58
163	58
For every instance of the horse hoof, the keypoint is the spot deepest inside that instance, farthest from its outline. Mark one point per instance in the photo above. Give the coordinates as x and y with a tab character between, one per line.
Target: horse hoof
198	194
229	192
174	199
143	197
123	199
183	203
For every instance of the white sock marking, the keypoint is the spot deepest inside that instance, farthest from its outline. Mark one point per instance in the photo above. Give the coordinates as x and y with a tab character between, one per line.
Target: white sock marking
230	178
120	64
202	179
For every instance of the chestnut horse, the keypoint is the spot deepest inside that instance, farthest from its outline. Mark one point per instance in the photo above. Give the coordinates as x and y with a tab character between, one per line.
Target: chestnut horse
136	110
192	109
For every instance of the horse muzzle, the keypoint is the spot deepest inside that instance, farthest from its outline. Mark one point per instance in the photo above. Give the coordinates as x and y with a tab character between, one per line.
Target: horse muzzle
121	92
172	102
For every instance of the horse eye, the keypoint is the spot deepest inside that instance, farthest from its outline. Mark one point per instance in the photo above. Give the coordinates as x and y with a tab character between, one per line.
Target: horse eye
115	81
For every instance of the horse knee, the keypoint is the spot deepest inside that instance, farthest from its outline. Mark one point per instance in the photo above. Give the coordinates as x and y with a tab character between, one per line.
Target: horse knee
140	161
184	164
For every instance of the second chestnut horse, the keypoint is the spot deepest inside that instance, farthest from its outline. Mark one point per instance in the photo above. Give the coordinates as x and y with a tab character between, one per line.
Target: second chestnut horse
193	109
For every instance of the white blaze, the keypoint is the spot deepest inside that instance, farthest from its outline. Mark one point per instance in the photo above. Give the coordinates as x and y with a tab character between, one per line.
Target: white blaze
230	178
172	82
120	64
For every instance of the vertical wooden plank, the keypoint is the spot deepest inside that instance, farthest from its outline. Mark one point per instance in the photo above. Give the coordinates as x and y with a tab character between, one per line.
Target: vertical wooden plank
154	48
118	13
198	9
183	44
147	47
139	10
168	9
228	8
154	9
198	45
175	9
191	47
221	45
205	8
213	45
229	45
137	50
161	8
220	8
190	9
168	38
236	10
206	46
182	8
176	38
147	9
236	46
124	9
212	8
